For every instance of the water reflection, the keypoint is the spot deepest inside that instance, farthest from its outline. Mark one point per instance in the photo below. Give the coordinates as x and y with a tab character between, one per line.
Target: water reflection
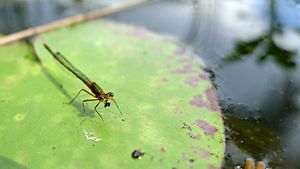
258	83
265	46
252	48
248	137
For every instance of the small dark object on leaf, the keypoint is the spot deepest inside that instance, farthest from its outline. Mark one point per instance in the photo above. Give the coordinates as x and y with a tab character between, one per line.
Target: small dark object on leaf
137	154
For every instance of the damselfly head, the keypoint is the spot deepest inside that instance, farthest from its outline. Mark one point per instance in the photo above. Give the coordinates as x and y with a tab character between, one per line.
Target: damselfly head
109	96
107	104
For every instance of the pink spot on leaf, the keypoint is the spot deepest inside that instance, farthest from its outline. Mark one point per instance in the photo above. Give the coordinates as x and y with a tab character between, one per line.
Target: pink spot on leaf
194	137
180	51
203	153
194	80
198	101
204	76
208	129
187	68
212	103
212	98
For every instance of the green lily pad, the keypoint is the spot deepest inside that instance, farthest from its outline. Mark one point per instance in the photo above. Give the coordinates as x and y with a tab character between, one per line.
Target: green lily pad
170	112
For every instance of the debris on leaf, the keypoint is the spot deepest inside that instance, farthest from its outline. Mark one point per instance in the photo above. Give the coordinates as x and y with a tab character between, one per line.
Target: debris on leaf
90	136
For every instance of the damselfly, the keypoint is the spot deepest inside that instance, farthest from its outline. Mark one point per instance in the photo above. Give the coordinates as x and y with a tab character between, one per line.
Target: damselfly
97	92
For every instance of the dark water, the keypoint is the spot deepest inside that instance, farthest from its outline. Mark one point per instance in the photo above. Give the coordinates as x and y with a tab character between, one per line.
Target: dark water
250	47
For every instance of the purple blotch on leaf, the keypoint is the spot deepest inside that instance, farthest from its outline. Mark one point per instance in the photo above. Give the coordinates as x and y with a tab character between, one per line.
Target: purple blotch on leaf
187	68
180	51
194	80
194	137
203	153
212	103
208	129
213	100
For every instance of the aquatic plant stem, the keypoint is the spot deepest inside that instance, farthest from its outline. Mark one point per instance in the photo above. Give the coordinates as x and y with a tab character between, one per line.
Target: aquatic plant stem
70	21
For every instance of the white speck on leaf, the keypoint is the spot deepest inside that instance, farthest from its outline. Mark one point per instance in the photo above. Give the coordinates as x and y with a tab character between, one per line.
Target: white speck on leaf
90	136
